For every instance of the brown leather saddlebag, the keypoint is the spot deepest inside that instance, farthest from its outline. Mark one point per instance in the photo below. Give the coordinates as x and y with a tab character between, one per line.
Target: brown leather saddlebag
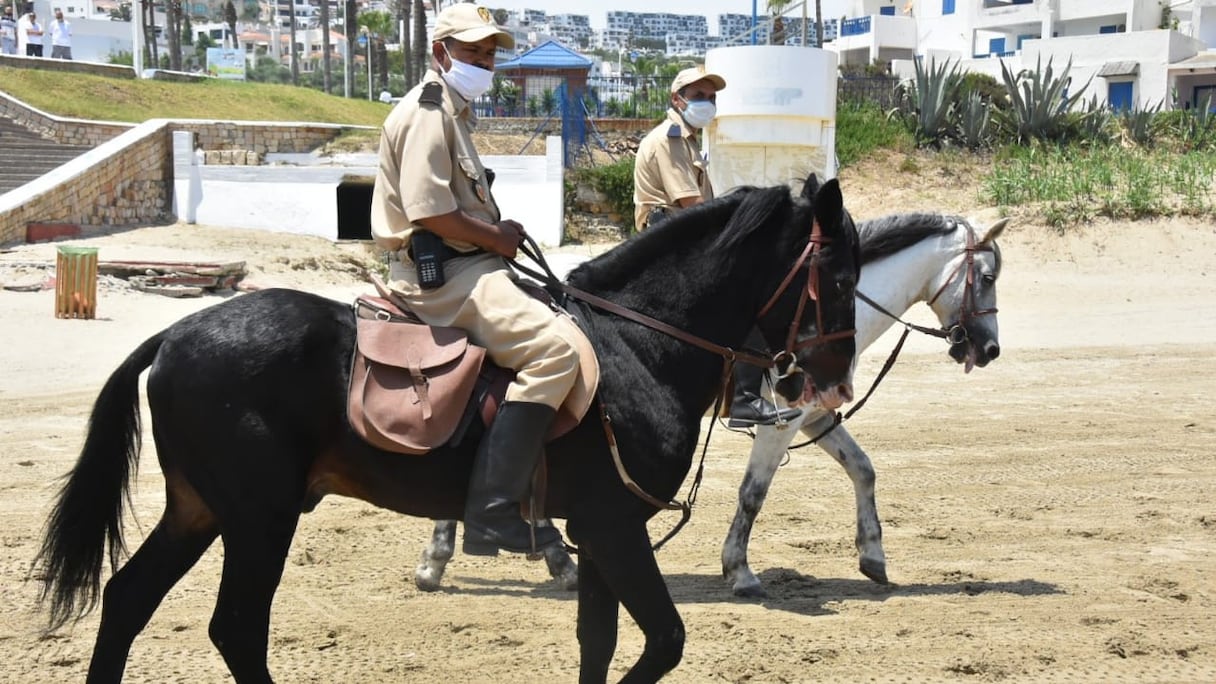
410	383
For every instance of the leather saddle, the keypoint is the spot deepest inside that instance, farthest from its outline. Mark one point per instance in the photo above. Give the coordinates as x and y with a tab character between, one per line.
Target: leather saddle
415	387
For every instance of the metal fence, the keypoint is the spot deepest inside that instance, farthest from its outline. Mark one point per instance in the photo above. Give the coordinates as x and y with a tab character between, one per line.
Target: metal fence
648	97
619	97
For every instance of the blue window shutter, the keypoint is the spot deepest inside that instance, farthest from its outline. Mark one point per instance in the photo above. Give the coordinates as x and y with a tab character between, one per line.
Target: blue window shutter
887	11
947	6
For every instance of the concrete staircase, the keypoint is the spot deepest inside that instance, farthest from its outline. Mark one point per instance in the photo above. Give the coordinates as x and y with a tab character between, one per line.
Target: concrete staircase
25	155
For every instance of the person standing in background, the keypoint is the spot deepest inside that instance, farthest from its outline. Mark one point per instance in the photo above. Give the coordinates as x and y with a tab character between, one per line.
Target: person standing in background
8	32
29	35
61	37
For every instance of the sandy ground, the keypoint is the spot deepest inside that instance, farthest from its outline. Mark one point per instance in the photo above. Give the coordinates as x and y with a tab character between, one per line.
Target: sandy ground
1050	518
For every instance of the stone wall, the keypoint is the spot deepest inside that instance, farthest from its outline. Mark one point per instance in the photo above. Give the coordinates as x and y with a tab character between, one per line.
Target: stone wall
126	181
43	64
59	129
258	137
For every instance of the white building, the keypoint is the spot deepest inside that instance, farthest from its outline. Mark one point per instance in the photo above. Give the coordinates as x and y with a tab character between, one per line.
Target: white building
1129	53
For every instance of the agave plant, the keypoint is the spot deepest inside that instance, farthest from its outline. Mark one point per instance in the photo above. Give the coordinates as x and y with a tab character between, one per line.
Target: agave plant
934	94
973	123
1092	122
1039	102
1138	126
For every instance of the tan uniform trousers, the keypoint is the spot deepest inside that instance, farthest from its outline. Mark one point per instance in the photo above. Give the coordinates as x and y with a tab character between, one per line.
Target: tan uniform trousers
517	331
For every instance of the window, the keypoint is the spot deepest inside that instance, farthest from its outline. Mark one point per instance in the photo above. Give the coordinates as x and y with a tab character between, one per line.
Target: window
947	7
996	46
887	11
1107	29
1119	95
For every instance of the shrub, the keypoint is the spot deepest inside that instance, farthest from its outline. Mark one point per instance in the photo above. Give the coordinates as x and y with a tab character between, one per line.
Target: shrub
861	128
615	182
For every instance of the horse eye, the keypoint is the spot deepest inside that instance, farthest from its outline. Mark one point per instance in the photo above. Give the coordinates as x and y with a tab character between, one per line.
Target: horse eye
989	279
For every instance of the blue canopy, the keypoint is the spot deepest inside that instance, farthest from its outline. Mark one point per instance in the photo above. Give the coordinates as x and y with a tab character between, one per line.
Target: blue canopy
548	55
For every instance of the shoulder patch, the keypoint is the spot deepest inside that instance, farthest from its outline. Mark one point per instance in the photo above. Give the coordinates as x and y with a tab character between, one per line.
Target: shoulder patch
432	94
675	131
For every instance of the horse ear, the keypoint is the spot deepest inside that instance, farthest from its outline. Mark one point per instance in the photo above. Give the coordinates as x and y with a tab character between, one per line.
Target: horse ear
829	206
995	230
810	187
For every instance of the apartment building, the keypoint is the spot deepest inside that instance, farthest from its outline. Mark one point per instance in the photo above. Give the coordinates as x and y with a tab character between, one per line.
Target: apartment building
1127	53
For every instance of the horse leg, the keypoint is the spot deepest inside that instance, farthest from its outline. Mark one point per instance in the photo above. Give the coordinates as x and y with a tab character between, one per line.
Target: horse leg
561	566
768	449
435	556
839	444
598	611
255	550
183	533
627	568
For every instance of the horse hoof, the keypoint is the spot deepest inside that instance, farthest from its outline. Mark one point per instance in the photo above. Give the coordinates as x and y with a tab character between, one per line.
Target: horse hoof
875	570
751	591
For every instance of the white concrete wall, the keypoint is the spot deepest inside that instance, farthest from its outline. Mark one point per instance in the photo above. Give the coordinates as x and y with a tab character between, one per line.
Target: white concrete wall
304	199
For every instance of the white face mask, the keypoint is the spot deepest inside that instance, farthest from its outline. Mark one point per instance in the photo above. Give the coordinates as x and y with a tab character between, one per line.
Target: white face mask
468	80
698	113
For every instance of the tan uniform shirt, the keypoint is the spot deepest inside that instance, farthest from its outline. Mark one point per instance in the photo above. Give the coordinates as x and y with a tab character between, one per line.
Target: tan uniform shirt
428	167
668	168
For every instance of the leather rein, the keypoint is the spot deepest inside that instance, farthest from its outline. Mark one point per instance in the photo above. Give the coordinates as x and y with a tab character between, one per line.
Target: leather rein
954	334
810	255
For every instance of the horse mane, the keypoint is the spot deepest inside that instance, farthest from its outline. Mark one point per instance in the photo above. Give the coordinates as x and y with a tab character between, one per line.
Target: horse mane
720	225
887	235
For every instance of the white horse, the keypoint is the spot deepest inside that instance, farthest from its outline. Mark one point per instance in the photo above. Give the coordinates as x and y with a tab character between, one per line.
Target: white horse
906	258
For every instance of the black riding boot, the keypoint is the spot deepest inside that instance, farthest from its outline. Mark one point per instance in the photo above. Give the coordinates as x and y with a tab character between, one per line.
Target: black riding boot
748	408
502	473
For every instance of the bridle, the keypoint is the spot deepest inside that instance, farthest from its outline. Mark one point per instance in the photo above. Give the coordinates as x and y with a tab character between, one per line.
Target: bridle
812	251
954	334
809	257
957	333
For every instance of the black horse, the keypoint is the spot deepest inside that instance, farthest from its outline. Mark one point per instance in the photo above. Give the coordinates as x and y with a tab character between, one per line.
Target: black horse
248	414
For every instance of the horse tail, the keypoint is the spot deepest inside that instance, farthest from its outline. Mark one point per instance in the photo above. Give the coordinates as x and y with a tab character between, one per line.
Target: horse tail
87	517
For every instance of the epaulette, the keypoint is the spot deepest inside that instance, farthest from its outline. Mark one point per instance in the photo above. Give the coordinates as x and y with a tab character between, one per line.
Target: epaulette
432	94
675	131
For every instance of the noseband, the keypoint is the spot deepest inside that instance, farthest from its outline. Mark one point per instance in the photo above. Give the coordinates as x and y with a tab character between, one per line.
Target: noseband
957	333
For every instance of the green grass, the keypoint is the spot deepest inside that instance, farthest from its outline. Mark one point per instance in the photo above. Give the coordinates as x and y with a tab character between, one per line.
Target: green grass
863	128
1073	184
111	99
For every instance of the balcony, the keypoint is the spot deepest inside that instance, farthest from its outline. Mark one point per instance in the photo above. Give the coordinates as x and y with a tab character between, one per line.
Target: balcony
855	27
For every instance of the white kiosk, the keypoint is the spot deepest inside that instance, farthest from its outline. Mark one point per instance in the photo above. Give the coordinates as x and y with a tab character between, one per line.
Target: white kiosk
776	118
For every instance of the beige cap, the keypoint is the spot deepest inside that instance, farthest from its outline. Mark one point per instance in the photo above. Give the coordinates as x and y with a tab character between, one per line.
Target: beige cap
692	75
470	23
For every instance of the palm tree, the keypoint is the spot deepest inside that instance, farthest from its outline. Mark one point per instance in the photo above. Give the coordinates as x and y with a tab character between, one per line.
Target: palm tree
776	35
404	7
295	65
818	24
173	31
327	76
378	25
420	45
351	30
